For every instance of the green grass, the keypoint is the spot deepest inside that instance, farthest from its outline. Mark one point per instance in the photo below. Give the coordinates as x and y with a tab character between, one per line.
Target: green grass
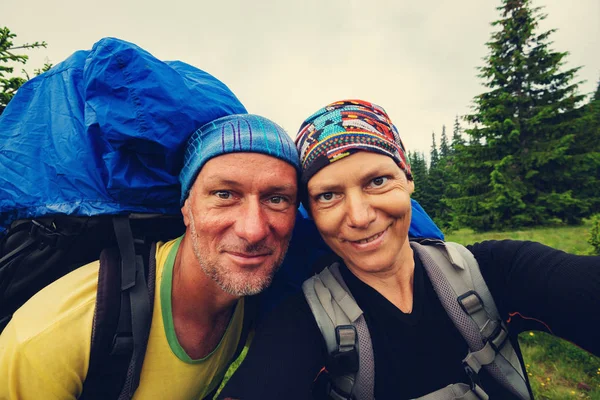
572	239
557	369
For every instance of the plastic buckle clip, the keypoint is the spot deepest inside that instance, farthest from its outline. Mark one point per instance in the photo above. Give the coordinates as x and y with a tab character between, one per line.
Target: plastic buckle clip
45	235
345	359
473	376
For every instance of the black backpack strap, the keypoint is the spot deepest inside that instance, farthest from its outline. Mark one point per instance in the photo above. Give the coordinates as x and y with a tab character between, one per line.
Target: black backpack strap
122	319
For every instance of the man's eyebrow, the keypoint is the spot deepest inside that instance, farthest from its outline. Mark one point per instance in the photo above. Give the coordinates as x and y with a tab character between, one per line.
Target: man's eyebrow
222	181
216	181
282	188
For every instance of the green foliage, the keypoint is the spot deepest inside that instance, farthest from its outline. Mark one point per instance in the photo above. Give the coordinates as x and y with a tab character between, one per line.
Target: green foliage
563	237
457	140
432	182
444	146
436	182
420	176
434	154
527	160
594	235
10	84
556	368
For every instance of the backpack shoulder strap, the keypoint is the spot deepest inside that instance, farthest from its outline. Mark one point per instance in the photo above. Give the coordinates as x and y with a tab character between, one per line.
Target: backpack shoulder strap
122	317
457	280
343	326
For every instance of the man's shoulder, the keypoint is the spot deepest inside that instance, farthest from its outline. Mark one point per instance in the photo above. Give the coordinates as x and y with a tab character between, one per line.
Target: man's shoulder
68	301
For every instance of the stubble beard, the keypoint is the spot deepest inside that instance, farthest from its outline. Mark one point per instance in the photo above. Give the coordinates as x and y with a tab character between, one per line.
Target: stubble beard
239	284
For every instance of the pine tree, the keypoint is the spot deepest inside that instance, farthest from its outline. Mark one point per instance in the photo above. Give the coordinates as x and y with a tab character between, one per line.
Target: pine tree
419	173
435	185
585	154
444	178
10	84
517	161
444	146
434	153
457	139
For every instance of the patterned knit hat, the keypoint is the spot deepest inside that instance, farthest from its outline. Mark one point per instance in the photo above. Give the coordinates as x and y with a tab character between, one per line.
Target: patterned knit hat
241	133
343	128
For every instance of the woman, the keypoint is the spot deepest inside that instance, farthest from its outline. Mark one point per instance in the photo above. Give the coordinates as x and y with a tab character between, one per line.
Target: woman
357	187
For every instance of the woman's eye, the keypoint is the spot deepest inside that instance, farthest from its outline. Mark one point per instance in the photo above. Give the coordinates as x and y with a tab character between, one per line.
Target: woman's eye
223	194
325	197
379	181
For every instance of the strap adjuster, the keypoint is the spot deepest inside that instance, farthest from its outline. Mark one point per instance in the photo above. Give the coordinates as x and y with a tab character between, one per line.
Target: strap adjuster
346	337
470	302
498	338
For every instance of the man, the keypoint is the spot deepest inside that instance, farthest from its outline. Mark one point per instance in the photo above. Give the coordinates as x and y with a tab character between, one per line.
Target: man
239	199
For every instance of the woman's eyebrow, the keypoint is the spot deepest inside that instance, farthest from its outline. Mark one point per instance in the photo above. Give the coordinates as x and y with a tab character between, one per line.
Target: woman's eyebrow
325	187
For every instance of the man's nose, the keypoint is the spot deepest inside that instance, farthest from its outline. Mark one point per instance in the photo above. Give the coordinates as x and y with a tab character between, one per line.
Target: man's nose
252	223
359	211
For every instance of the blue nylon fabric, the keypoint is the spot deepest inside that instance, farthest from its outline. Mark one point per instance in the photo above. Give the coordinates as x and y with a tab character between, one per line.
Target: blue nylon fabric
103	133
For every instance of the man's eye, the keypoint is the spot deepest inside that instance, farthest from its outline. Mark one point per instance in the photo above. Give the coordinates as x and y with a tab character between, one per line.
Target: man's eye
325	197
379	181
277	199
223	194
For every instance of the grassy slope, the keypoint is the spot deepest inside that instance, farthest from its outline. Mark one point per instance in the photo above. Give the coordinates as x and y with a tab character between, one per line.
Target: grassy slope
555	367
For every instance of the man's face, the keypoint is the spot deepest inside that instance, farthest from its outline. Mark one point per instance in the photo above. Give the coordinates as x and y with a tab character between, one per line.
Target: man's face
240	216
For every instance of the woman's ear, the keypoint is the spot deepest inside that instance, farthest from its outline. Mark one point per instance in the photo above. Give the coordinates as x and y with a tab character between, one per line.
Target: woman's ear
411	186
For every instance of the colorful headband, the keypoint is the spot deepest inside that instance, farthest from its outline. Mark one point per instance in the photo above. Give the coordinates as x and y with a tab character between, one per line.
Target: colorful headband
343	128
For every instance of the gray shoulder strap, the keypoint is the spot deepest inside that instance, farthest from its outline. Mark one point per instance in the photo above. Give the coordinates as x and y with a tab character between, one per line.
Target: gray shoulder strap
457	280
335	310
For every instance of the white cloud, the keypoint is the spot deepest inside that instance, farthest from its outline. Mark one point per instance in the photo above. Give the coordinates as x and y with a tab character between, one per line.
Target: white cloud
286	59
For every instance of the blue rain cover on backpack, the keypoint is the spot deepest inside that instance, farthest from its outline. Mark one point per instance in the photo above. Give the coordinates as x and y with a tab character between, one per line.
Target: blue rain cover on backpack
102	133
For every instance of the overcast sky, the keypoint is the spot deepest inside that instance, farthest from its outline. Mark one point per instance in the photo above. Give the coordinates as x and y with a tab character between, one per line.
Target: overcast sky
285	59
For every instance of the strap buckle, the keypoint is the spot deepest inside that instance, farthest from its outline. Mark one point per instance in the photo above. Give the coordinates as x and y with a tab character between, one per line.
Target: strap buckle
344	360
44	235
473	376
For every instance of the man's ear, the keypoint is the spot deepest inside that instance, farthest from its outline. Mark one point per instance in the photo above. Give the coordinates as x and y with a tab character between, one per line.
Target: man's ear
185	210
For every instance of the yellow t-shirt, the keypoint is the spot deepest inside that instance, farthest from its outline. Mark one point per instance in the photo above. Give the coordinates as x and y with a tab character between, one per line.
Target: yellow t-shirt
45	349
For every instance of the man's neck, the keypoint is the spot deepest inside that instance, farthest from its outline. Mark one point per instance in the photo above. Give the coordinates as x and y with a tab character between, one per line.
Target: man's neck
201	309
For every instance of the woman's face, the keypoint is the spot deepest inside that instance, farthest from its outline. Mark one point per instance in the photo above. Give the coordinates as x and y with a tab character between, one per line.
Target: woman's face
361	206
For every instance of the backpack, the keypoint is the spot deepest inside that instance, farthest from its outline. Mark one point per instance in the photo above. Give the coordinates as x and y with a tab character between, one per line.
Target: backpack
90	153
457	281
